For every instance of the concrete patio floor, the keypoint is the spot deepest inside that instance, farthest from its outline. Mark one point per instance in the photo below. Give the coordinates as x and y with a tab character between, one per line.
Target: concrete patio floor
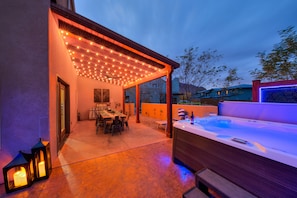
136	163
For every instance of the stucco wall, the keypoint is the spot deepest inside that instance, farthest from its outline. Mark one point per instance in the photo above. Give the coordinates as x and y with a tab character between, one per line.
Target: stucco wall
86	88
24	76
60	65
130	108
159	111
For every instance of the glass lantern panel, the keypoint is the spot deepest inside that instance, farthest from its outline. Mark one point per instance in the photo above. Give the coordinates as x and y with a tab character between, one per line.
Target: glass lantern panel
20	177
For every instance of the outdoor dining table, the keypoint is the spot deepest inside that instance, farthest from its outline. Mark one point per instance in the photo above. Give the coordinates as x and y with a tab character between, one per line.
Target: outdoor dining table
105	114
109	116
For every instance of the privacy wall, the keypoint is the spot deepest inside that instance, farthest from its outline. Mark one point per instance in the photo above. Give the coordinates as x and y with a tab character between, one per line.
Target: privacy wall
23	76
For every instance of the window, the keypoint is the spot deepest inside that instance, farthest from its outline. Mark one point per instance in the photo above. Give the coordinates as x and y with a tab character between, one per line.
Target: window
279	94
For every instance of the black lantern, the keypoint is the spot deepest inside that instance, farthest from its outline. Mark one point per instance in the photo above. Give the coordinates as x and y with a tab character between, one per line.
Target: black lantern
41	160
19	173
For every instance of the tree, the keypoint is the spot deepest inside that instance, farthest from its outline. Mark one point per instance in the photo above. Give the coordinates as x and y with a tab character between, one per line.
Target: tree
231	77
281	62
199	68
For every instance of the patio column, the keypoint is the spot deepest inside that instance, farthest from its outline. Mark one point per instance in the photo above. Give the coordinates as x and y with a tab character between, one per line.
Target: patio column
124	101
137	103
169	103
255	90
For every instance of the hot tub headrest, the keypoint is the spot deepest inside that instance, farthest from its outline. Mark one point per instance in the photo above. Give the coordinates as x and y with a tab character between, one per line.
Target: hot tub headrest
275	112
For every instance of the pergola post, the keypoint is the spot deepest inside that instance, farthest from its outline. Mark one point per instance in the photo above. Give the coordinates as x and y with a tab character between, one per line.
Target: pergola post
124	101
255	90
169	103
137	103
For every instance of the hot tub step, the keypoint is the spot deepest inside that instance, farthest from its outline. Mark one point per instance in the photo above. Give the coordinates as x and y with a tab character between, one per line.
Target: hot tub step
194	193
210	182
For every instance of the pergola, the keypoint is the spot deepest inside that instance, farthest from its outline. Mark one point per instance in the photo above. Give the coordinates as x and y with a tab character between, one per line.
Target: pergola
101	54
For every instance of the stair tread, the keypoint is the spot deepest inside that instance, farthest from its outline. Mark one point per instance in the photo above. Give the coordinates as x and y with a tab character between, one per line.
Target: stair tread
194	193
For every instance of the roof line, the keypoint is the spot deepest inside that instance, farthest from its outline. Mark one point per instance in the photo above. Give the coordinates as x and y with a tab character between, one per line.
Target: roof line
109	33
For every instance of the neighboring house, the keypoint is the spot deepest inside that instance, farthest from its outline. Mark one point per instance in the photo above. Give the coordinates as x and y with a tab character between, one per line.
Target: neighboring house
190	88
175	91
241	92
153	92
187	91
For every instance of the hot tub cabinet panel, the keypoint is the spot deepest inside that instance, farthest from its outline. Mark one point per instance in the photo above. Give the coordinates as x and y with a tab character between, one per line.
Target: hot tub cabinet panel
259	175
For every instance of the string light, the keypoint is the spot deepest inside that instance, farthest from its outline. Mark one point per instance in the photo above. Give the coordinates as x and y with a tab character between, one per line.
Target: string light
93	54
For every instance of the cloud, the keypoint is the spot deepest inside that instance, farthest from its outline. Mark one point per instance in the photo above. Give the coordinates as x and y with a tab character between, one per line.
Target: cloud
237	29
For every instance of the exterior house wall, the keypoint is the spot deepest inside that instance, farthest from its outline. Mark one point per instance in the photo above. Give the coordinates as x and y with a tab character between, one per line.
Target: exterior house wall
23	76
175	85
60	65
175	91
234	93
240	94
66	3
159	111
130	95
86	88
154	91
33	56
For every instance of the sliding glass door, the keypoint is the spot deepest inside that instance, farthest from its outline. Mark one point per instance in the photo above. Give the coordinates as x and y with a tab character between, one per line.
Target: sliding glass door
63	116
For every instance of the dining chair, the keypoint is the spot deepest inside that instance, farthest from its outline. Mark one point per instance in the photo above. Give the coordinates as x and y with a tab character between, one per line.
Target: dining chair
107	125
125	122
99	122
116	125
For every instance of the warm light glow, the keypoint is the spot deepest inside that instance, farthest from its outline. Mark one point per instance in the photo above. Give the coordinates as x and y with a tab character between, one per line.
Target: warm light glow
83	50
273	90
41	169
20	177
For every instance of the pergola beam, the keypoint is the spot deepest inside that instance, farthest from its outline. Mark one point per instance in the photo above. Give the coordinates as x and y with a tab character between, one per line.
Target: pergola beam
101	54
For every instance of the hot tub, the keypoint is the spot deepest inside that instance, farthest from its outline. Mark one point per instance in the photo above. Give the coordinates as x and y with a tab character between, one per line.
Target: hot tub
260	156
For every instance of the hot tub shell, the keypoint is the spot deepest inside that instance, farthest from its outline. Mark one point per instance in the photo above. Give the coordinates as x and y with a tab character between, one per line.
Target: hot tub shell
258	168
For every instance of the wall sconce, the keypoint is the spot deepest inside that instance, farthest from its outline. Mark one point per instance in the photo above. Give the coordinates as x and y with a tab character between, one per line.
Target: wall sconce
19	173
41	160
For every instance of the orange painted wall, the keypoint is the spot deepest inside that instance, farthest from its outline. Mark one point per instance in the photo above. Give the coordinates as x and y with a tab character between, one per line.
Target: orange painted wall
130	108
159	111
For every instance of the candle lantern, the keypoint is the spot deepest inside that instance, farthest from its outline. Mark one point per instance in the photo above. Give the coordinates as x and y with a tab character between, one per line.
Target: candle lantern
19	173
41	160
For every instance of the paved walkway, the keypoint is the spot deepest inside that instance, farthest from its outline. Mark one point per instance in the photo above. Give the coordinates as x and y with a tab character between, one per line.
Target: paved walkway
136	163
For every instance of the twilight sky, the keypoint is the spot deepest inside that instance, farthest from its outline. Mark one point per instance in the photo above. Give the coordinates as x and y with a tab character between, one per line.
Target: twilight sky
238	29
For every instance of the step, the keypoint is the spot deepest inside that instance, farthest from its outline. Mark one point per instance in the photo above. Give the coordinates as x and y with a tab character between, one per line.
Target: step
194	193
213	183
